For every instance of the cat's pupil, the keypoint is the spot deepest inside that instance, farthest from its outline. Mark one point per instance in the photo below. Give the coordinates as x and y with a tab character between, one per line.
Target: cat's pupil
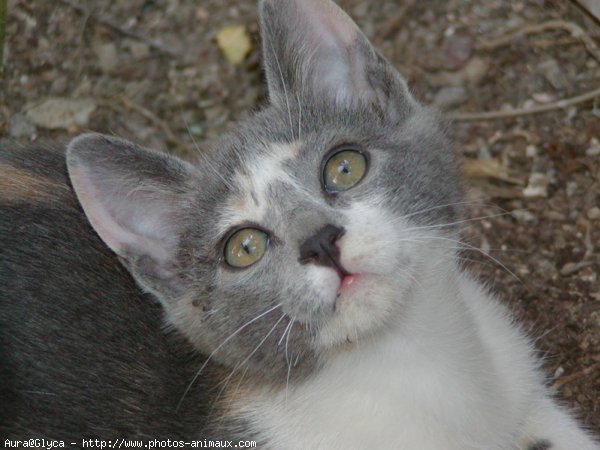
344	167
246	246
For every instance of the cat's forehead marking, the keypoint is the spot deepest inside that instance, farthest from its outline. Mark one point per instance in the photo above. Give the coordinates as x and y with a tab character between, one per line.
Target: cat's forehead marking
254	180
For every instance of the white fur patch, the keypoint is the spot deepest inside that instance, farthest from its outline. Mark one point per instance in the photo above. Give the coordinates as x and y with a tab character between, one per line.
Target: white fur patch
372	249
260	173
370	244
430	383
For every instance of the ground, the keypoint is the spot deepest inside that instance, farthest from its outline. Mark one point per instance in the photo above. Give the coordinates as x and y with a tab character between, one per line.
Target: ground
152	72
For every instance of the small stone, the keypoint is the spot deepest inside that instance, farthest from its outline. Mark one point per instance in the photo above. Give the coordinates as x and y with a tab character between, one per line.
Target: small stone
201	14
571	267
537	185
456	50
594	148
555	215
571	188
59	85
196	129
542	97
554	74
518	6
559	372
568	268
531	151
524	216
588	275
20	126
450	96
528	104
546	268
139	50
475	70
108	58
593	213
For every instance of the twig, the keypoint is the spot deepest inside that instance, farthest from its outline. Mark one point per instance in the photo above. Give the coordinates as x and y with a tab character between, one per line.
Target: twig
546	43
119	29
494	115
573	376
575	30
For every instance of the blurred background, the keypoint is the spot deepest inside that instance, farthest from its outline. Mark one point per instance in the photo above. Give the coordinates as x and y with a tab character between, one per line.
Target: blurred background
175	74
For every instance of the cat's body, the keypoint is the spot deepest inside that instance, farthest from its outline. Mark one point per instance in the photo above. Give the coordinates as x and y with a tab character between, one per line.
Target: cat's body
310	260
459	376
82	350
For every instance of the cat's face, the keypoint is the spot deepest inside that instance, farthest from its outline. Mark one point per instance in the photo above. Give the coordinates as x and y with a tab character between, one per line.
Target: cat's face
301	233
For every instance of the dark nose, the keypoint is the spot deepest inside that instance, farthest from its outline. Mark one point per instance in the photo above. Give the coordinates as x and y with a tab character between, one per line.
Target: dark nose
321	249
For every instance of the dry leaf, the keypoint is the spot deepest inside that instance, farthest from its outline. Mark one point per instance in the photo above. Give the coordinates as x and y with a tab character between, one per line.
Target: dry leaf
234	43
64	113
487	168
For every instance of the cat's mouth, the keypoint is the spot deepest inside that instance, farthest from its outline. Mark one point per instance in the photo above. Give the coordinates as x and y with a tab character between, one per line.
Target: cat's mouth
348	280
348	283
362	305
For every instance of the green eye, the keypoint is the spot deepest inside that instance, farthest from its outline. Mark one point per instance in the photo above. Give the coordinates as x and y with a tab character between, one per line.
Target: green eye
246	247
344	170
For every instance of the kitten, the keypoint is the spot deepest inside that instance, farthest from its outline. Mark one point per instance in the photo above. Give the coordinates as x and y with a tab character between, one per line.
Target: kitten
306	270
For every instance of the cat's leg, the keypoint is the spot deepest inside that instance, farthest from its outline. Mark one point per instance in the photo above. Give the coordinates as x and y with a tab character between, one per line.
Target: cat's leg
551	428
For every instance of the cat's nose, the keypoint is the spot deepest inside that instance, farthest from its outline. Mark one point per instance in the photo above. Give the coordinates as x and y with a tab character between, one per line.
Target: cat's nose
321	249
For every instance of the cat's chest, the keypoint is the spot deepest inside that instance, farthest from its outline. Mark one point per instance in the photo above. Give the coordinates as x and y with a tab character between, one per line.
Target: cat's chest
335	410
384	398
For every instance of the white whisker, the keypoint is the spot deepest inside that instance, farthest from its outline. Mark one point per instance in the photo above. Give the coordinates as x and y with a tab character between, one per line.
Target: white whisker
463	245
285	93
231	336
299	116
225	382
284	332
449	224
262	341
288	360
447	205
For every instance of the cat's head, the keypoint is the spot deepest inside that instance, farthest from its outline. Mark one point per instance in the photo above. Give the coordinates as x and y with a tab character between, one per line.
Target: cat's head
305	229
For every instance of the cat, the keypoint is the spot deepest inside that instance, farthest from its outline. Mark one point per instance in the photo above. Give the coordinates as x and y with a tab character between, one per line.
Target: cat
298	285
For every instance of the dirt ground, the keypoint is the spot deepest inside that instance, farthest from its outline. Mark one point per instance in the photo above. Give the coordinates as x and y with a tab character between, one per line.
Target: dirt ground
151	71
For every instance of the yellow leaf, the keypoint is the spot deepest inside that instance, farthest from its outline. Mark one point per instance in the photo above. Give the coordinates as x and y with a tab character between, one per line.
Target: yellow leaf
234	43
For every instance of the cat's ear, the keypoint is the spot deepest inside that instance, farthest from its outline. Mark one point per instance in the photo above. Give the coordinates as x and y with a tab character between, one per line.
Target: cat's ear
312	47
134	199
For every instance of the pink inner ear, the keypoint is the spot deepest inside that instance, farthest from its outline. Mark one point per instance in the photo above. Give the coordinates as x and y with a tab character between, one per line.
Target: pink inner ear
338	64
115	221
334	23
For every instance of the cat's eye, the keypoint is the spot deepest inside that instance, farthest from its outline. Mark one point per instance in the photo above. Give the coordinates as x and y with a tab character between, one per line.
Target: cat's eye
245	247
343	170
